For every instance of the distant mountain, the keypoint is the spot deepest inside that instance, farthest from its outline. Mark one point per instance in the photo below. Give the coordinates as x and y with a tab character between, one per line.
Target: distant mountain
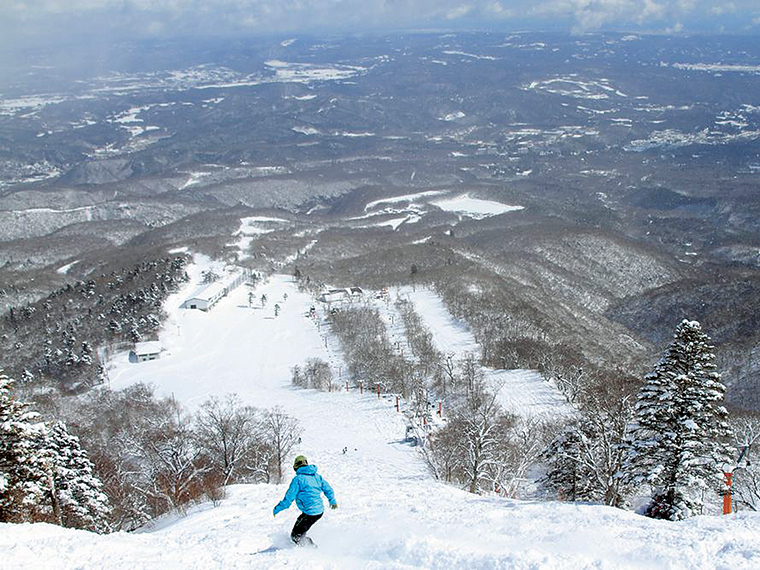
634	159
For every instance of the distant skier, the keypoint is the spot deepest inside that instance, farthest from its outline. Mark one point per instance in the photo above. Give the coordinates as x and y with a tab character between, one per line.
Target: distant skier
306	489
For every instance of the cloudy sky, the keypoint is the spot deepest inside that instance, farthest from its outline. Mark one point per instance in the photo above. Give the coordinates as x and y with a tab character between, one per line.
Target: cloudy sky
30	21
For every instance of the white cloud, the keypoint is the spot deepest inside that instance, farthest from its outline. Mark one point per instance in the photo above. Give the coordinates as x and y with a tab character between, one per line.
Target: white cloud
595	14
21	18
458	12
155	28
652	10
721	9
499	10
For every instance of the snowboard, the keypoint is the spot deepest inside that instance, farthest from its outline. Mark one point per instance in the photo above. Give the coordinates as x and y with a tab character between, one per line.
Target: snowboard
306	542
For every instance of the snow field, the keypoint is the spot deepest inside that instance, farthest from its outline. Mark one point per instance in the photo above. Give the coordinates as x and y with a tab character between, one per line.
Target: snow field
463	205
392	514
475	208
522	392
394	523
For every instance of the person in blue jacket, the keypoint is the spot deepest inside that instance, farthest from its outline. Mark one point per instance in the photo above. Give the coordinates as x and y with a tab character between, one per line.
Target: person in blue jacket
306	489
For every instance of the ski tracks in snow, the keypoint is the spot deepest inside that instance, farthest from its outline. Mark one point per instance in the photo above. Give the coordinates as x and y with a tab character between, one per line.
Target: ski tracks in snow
522	392
392	514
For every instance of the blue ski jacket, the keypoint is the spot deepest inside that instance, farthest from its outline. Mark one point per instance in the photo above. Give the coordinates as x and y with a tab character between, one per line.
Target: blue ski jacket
306	489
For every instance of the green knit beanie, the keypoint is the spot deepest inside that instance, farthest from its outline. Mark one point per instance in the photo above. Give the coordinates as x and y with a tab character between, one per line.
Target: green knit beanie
300	462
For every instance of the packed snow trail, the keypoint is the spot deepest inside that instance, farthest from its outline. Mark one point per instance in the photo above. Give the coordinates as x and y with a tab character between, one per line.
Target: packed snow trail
392	514
522	392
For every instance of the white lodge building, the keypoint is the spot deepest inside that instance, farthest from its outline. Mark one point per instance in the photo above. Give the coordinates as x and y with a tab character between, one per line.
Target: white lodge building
210	294
340	296
145	351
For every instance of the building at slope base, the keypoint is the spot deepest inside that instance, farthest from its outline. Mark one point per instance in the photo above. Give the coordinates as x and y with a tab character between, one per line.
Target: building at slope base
211	293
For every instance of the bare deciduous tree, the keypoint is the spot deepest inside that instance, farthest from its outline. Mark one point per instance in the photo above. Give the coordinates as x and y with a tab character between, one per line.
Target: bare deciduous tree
447	378
170	456
520	450
474	434
283	432
227	431
747	473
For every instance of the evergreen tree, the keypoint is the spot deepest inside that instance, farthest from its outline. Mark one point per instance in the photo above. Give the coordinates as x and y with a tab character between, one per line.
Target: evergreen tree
677	442
567	475
78	499
584	461
25	464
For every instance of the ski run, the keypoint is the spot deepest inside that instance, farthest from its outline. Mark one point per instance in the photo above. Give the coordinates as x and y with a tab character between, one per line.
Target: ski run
392	513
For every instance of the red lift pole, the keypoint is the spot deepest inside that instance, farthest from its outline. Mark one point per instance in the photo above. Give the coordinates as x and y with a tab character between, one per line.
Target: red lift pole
727	493
728	479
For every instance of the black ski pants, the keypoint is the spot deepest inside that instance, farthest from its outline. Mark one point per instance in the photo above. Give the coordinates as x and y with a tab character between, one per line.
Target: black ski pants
302	526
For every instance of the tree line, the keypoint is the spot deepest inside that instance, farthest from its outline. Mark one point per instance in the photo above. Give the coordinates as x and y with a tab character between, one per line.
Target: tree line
134	456
53	340
668	437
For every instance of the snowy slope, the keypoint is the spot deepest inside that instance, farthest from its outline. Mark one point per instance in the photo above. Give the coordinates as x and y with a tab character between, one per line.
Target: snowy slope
392	514
397	523
522	392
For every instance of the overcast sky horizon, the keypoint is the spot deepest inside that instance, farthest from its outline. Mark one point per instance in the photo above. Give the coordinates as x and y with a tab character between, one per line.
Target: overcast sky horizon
31	23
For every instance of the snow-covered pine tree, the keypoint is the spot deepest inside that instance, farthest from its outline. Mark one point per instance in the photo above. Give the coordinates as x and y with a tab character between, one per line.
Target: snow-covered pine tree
677	441
80	503
567	475
25	464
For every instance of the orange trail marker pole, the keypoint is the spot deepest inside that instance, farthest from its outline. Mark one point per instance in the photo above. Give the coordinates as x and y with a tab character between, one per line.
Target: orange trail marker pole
440	405
397	404
727	494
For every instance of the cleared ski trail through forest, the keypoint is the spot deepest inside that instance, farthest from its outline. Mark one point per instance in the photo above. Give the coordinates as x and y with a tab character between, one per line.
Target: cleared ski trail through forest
522	392
392	513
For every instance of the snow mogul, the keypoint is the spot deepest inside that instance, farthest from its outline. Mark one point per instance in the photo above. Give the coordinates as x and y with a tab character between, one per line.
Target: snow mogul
306	489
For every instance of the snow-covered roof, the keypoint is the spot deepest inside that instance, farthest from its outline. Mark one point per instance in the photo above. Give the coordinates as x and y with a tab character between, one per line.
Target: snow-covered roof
212	290
334	295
